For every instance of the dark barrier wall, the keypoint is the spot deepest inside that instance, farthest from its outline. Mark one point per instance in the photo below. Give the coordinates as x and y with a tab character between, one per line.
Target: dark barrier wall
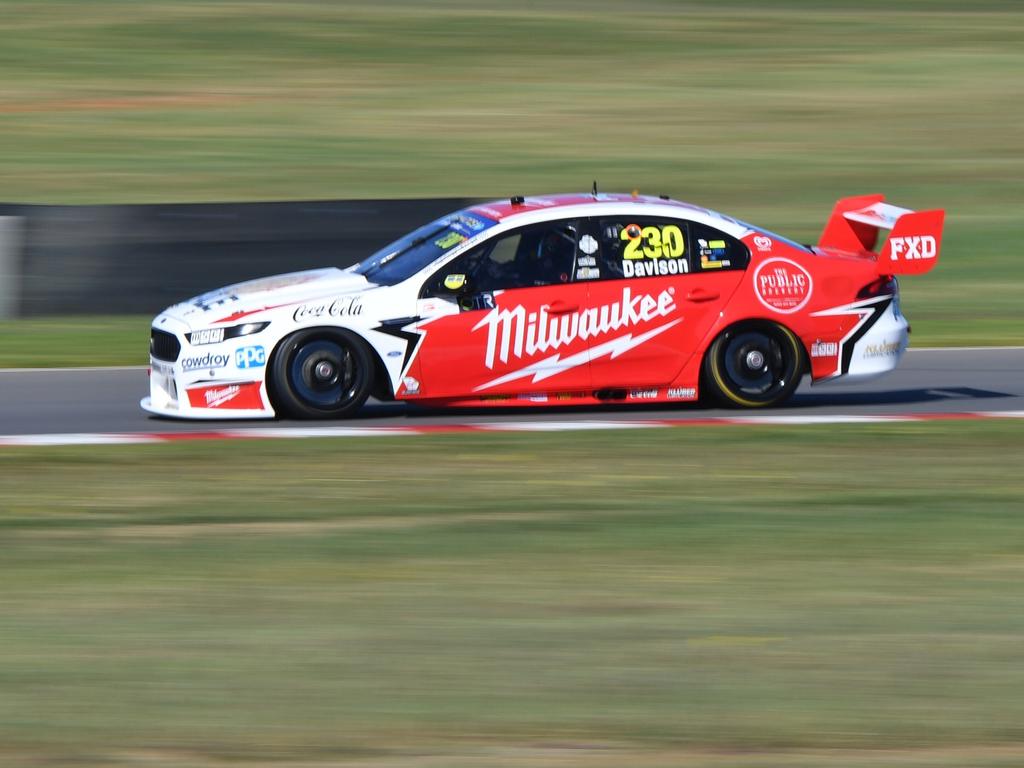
114	259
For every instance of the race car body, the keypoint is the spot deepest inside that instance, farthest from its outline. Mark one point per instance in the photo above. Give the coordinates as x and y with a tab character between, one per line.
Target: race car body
560	300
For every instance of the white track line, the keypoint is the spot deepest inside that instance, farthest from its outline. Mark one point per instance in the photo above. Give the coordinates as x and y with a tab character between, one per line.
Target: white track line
79	439
805	420
565	426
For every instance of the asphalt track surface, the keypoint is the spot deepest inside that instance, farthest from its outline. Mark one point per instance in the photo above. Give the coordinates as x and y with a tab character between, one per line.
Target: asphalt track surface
928	382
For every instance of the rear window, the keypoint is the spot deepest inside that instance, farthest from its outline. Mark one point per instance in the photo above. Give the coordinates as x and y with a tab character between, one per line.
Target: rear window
780	238
715	250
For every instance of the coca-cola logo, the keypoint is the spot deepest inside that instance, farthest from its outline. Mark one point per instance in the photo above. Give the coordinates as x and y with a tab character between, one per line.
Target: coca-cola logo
782	285
344	307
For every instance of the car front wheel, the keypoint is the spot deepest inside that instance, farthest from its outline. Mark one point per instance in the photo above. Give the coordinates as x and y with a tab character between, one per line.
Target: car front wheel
755	365
319	374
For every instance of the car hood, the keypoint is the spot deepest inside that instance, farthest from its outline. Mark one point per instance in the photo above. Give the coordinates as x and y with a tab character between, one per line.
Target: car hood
234	302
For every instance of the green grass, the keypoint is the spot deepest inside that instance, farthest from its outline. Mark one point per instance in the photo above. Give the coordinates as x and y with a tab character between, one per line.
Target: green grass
708	597
768	113
772	109
68	342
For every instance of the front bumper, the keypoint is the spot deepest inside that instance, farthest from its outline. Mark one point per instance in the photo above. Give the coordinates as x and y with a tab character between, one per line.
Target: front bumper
227	400
215	381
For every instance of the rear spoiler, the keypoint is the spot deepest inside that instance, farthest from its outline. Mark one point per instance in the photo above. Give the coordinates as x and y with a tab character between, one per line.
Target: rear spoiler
912	247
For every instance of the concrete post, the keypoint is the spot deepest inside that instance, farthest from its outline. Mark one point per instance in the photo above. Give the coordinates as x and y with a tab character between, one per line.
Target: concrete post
11	229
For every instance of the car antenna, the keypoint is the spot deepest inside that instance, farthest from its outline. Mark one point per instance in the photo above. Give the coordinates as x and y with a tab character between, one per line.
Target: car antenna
517	200
594	190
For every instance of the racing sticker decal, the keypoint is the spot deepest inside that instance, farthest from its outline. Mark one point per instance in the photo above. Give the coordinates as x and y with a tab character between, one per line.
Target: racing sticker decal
450	240
712	254
209	361
533	397
652	250
652	242
516	333
824	348
763	243
406	329
652	268
250	357
454	282
347	306
682	393
588	245
465	221
911	248
206	336
243	396
782	285
885	349
643	394
868	311
208	301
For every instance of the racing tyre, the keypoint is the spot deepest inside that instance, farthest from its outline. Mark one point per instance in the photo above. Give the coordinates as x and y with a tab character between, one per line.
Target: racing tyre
320	374
754	365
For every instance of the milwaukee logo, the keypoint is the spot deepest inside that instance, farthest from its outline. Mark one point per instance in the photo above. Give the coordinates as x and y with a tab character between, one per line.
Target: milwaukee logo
517	333
217	397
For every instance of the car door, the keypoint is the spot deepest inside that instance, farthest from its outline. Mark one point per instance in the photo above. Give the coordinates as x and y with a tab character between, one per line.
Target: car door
663	281
502	318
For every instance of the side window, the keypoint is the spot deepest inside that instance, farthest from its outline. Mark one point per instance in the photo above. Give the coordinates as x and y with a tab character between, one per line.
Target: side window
642	246
714	250
542	254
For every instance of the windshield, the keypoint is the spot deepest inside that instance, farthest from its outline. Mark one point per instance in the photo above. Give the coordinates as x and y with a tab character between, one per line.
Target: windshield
406	256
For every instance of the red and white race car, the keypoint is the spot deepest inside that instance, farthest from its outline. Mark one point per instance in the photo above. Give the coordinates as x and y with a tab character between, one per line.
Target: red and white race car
570	299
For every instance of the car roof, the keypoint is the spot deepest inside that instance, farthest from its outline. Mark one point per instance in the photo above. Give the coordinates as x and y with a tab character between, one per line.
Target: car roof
544	207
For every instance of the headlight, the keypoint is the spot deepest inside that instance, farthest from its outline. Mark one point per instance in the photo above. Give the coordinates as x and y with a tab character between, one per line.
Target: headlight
248	329
217	335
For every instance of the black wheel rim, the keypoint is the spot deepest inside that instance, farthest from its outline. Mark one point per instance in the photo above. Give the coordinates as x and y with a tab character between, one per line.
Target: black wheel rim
324	375
756	365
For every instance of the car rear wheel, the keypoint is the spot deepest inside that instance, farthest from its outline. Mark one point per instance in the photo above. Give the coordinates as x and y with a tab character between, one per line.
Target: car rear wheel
319	374
755	365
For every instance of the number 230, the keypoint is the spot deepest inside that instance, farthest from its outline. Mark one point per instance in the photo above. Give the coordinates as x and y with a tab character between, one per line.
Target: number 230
652	242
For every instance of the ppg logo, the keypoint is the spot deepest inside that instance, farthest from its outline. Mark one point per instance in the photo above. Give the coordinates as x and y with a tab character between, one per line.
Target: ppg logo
250	357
